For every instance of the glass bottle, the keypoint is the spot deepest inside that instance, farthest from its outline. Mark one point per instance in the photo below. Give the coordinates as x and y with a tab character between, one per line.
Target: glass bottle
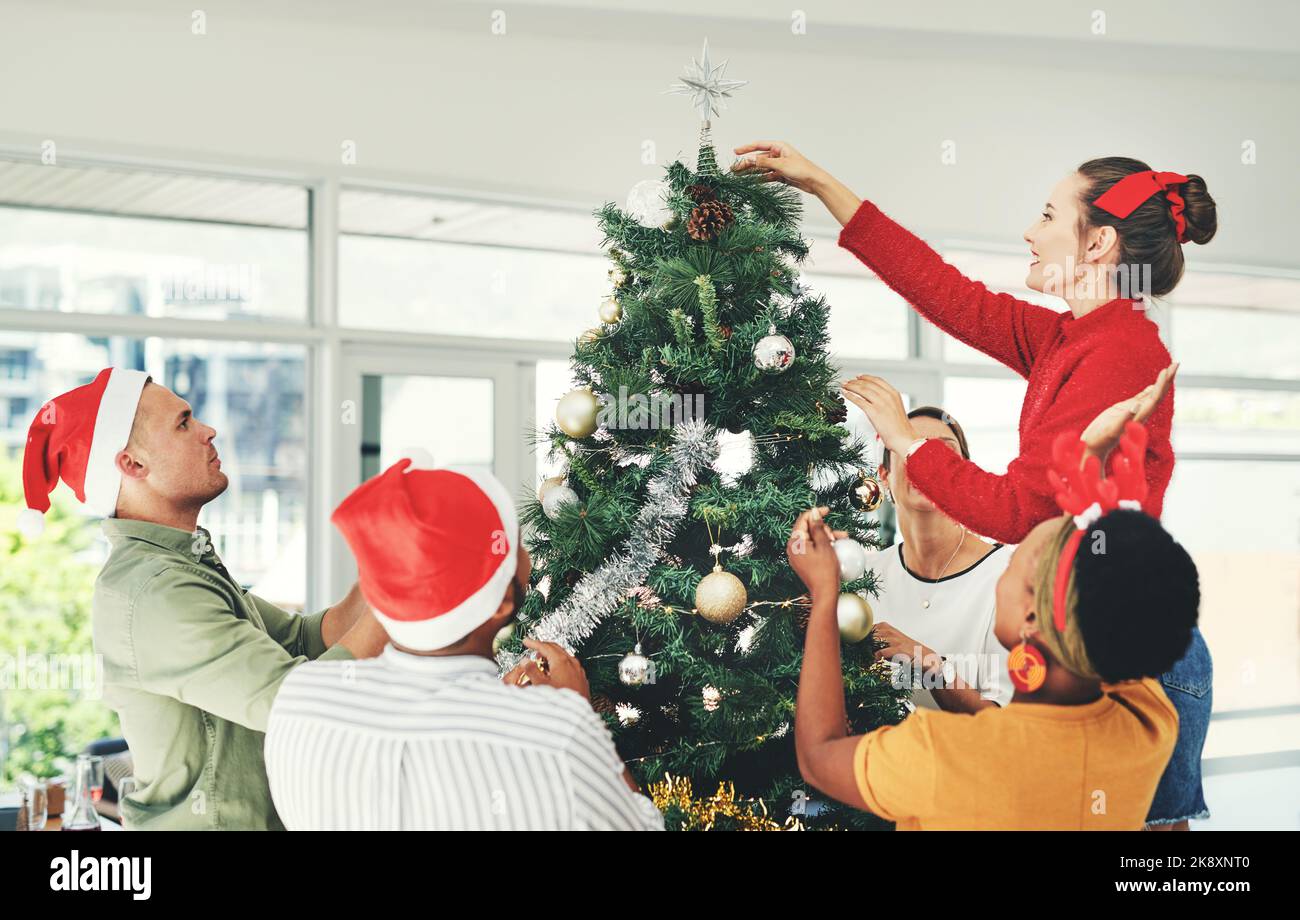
90	784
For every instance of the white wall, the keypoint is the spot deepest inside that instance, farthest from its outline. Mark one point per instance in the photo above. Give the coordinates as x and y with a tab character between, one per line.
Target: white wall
558	107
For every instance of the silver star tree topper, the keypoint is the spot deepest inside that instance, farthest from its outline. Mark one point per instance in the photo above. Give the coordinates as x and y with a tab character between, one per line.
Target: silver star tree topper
706	85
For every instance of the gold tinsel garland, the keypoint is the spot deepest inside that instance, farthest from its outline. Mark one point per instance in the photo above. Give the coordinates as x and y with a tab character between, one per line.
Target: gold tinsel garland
675	792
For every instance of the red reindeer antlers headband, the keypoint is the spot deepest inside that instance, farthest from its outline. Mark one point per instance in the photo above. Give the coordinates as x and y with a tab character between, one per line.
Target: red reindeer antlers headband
1082	492
1124	197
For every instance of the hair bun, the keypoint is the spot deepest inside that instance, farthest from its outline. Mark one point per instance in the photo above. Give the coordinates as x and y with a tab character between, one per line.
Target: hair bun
1199	211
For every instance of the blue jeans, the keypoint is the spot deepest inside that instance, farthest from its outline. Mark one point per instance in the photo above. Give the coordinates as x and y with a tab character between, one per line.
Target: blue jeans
1188	684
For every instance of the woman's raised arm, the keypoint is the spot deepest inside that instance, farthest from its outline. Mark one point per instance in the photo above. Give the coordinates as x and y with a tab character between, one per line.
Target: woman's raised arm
1007	329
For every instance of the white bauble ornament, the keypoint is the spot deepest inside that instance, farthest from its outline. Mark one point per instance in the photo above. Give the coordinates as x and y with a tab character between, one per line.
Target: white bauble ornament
773	353
634	670
720	596
547	485
576	413
556	498
712	698
852	557
854	616
502	637
645	202
611	311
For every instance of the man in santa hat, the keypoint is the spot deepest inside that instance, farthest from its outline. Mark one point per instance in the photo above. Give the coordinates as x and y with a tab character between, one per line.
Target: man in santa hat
191	660
427	735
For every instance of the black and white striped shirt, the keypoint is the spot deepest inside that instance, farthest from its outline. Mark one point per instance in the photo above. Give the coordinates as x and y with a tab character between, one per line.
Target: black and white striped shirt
416	742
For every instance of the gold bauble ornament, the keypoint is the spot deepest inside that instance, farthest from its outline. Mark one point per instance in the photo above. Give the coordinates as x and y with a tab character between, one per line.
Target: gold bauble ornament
854	616
611	311
576	413
720	596
591	335
866	493
546	486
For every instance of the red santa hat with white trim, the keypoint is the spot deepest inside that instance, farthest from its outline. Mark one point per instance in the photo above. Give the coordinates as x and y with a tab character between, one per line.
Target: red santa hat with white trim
436	549
76	437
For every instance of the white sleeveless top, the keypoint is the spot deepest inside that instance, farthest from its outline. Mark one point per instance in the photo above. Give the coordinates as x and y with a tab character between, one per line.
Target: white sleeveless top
952	615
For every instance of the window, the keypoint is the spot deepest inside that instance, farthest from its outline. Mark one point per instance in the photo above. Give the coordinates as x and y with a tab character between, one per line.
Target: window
988	410
435	265
101	241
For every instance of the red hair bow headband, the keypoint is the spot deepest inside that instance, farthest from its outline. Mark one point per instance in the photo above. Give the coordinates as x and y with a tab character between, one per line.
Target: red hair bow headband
1124	197
1082	492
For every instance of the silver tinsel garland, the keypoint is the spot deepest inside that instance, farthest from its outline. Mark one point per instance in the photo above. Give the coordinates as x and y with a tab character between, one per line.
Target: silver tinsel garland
597	593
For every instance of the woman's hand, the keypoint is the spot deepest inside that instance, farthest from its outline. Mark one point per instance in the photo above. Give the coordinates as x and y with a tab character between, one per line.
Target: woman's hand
810	554
884	408
777	161
902	647
1103	433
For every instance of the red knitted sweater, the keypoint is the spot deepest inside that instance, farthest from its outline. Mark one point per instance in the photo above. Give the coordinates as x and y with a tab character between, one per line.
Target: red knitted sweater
1075	368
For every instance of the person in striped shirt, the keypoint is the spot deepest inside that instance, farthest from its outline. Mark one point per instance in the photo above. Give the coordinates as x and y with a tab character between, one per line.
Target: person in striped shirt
427	736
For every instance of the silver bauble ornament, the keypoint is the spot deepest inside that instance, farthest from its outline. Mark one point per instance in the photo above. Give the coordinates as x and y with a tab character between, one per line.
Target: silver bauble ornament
634	669
852	557
576	413
720	596
866	493
854	616
547	485
773	353
611	311
645	202
556	498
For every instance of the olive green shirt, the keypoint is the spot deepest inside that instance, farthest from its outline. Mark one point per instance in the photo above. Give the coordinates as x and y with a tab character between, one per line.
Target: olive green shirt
192	663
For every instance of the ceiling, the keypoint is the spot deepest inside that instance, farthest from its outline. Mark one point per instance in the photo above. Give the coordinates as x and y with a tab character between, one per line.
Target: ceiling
560	106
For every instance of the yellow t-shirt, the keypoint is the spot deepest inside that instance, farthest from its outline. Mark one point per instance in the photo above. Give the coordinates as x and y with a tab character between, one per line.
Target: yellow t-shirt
1027	766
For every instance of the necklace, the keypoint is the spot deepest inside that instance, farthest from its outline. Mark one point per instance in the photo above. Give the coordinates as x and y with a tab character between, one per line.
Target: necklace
925	604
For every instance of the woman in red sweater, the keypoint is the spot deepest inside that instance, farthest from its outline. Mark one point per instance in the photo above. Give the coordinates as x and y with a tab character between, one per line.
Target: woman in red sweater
1077	363
1111	233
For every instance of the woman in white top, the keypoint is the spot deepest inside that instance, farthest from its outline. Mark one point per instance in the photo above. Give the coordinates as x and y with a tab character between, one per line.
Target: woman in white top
936	591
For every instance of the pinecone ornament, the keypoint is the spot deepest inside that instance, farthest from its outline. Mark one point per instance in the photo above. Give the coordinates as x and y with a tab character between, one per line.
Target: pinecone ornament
699	193
689	389
708	219
834	408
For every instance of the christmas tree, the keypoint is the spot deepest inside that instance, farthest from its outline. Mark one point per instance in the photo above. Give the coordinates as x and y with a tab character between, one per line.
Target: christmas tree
707	418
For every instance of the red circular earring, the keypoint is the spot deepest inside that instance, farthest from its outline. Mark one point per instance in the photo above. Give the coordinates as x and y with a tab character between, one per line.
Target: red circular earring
1027	666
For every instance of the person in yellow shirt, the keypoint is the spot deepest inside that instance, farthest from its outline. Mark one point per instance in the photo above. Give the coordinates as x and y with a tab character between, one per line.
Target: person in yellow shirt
1089	729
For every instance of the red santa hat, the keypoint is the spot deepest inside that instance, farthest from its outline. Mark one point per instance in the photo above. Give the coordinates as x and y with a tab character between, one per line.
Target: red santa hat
76	437
436	549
